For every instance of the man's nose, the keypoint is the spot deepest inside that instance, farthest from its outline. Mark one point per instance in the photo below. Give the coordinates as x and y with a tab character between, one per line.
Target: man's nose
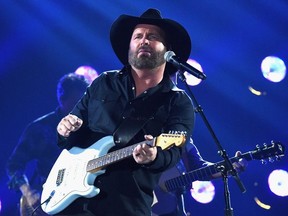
144	41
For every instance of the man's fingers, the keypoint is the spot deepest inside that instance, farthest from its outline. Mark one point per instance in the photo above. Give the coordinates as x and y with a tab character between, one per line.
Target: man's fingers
69	124
74	120
148	137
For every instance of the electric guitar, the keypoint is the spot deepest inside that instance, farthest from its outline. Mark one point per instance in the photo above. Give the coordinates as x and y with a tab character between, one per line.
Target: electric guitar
186	179
75	171
173	183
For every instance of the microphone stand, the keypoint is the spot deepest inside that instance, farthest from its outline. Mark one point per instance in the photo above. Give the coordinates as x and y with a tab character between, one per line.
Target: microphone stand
181	210
228	167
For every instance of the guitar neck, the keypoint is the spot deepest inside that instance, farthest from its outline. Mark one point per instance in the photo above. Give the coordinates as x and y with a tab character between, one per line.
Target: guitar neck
186	179
99	163
260	153
164	141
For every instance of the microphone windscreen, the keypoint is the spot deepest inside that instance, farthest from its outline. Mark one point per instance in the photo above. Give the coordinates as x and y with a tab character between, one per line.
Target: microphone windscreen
168	56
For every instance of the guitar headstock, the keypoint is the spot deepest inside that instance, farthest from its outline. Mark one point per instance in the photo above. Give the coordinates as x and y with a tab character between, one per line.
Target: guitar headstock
274	150
168	140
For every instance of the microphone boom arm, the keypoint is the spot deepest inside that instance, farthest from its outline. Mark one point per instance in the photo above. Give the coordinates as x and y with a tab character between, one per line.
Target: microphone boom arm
183	66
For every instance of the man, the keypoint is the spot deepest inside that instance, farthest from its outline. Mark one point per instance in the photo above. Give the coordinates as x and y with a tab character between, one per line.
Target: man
37	144
136	103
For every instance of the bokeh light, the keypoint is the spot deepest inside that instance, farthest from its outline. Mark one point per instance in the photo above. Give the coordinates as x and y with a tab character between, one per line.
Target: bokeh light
190	79
278	182
256	92
87	71
273	69
261	204
203	191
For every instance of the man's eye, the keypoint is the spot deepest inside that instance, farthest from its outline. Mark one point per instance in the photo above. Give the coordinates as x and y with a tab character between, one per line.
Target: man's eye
153	37
137	36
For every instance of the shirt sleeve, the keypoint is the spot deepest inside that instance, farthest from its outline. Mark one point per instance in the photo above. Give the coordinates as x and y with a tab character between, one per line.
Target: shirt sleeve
192	157
180	121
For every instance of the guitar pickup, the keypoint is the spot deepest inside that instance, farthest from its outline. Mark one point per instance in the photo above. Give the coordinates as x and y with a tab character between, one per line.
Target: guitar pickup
60	176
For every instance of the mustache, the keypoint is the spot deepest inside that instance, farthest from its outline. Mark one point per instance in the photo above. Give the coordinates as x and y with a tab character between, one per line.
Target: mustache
145	48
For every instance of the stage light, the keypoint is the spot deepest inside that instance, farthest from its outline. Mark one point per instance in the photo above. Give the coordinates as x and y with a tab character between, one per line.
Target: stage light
261	204
203	191
256	92
190	79
87	71
273	69
278	182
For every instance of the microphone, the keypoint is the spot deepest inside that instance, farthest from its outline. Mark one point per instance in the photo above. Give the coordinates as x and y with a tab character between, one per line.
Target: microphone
170	57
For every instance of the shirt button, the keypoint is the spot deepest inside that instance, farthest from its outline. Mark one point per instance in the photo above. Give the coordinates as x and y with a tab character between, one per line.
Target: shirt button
145	92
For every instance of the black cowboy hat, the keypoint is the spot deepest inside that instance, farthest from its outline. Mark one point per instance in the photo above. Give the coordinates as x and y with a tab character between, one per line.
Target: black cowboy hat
178	39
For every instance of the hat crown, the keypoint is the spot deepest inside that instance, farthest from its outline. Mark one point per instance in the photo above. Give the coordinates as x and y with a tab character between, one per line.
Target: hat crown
151	14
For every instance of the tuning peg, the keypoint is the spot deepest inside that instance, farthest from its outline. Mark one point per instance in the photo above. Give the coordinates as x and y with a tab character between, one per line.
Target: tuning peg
278	158
263	161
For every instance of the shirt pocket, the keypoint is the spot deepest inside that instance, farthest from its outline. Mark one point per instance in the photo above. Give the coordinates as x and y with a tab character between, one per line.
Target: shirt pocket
102	112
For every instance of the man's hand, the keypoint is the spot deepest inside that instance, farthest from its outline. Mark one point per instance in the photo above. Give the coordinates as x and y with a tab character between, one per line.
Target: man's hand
32	196
240	165
143	153
68	124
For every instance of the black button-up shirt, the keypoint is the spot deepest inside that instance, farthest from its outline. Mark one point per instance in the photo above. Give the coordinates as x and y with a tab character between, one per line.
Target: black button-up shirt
108	104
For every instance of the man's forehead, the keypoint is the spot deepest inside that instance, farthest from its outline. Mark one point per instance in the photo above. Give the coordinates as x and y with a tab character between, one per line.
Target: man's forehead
151	28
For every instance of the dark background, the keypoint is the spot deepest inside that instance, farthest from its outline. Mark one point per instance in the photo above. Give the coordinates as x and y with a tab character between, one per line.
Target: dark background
42	40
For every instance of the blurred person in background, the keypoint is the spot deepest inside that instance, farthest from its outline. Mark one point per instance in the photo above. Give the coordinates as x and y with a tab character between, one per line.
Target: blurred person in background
37	147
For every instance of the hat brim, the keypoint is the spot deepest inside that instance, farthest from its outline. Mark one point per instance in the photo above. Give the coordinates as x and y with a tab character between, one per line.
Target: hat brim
177	37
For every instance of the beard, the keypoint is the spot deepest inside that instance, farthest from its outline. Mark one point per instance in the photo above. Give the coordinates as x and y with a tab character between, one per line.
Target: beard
146	62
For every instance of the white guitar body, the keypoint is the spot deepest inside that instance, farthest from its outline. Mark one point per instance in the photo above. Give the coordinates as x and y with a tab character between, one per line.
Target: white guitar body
68	178
75	171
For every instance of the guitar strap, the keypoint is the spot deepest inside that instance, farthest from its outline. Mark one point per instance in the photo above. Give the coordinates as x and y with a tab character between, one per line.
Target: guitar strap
133	123
127	130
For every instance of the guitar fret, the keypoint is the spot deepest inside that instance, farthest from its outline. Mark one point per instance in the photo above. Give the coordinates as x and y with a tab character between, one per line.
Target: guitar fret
106	159
113	156
183	181
170	184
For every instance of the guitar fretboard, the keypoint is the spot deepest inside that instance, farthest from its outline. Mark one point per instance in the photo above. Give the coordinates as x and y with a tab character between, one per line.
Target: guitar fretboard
112	157
186	179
